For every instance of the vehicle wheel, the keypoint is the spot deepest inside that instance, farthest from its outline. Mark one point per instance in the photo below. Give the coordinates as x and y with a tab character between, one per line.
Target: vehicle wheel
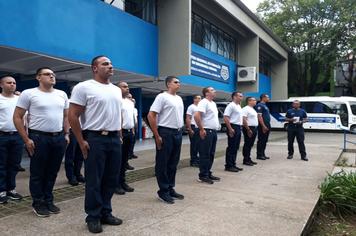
353	129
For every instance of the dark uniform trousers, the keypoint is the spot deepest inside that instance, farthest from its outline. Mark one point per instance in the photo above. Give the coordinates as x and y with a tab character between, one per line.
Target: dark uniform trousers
102	167
127	137
296	130
132	145
262	141
11	147
207	148
73	161
233	145
194	146
167	158
248	143
45	164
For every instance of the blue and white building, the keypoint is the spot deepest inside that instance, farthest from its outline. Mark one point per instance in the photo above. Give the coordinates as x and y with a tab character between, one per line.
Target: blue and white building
203	42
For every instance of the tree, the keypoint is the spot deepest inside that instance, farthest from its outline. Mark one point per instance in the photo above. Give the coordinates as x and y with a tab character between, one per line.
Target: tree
318	32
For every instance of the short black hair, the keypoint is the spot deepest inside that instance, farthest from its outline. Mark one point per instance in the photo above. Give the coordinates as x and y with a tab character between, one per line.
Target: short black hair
195	96
39	70
234	94
169	79
263	95
93	61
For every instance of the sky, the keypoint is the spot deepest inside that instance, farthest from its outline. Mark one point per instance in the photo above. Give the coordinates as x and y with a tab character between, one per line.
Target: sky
251	4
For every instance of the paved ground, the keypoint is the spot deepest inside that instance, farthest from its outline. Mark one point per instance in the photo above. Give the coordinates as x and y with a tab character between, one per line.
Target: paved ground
275	197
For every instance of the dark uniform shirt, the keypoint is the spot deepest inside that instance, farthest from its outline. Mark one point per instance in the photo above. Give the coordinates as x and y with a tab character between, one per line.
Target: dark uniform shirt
261	108
296	113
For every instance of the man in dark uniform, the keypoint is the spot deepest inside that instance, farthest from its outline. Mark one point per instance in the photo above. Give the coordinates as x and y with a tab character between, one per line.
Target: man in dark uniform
295	118
264	126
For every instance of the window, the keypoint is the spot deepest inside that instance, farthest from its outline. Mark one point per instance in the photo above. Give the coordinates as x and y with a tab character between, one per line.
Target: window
212	38
353	107
143	9
265	65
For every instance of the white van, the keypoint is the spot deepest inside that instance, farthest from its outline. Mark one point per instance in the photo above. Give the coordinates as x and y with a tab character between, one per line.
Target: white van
324	113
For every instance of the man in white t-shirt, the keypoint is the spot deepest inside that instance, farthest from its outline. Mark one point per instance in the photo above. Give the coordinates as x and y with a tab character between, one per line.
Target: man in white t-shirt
166	120
250	123
193	131
128	130
233	122
48	135
98	103
11	144
207	121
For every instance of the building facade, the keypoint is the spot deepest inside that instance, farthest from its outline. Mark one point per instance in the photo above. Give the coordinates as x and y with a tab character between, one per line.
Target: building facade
203	42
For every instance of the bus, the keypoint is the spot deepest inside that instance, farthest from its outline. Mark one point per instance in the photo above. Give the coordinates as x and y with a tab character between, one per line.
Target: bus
324	113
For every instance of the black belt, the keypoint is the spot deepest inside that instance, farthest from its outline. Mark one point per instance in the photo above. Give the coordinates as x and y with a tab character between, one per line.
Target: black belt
101	132
8	133
173	129
210	129
45	133
235	125
127	130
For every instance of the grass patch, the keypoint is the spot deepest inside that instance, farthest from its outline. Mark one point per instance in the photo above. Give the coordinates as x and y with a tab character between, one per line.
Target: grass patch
339	192
336	211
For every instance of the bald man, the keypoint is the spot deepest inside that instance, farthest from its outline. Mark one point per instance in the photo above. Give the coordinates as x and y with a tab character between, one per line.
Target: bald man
11	144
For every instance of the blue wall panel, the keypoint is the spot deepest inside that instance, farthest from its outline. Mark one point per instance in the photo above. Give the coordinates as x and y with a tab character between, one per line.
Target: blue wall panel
204	82
264	86
80	30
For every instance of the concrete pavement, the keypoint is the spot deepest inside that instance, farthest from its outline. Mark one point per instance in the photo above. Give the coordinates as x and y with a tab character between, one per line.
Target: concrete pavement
275	197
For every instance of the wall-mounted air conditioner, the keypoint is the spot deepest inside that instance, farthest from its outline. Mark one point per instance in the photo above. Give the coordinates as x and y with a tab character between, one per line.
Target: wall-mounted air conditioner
246	74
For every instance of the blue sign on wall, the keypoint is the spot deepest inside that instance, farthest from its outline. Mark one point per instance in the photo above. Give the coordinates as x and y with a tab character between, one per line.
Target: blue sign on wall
209	68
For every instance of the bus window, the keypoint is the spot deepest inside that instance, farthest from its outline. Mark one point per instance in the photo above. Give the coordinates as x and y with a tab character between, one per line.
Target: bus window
353	107
344	115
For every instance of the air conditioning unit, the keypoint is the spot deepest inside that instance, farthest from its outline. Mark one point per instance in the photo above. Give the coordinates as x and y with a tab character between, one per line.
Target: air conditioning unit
246	74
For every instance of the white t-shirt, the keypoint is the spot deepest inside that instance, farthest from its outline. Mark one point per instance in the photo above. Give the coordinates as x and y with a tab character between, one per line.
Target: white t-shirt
7	108
170	110
209	114
128	114
190	111
45	109
102	102
233	111
251	115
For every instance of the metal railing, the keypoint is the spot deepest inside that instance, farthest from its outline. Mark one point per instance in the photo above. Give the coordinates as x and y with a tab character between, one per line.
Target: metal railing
346	140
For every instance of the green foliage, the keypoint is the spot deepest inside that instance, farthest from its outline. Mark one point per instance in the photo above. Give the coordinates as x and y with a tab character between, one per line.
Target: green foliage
339	191
317	31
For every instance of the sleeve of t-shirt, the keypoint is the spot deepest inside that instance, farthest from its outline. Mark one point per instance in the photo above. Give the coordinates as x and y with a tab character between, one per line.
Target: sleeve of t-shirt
228	110
190	110
244	112
157	104
259	109
24	100
202	106
288	115
78	96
